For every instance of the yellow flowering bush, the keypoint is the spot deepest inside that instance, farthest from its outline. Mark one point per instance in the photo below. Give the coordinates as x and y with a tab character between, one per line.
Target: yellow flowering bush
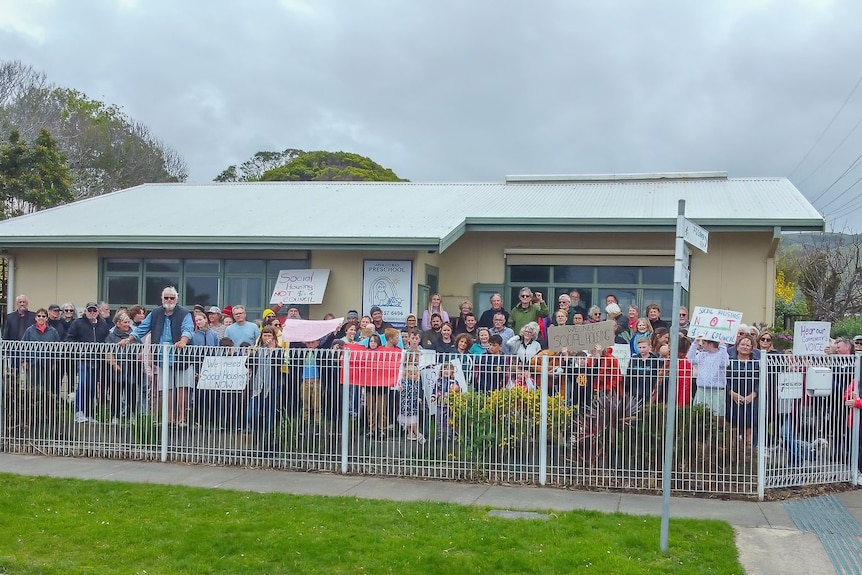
506	417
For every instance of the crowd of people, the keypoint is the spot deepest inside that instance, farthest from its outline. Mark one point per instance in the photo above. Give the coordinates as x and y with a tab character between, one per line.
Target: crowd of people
501	348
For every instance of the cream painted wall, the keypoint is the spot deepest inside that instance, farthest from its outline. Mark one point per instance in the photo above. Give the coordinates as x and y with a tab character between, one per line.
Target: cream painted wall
736	274
55	276
344	290
479	257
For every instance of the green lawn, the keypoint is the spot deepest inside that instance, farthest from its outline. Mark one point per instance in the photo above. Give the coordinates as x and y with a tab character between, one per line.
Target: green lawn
72	526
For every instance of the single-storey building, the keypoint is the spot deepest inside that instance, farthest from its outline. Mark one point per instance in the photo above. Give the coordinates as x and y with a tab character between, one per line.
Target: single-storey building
351	245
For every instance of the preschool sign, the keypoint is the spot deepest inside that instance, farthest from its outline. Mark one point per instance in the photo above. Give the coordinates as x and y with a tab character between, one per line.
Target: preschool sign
715	324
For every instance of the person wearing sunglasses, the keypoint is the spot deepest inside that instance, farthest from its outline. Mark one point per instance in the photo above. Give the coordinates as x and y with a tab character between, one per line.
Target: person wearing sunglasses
765	343
39	362
531	306
171	323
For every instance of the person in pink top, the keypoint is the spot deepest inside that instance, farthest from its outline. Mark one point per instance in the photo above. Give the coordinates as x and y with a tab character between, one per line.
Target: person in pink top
435	305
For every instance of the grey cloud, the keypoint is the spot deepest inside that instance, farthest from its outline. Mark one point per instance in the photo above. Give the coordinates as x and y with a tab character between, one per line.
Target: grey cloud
474	90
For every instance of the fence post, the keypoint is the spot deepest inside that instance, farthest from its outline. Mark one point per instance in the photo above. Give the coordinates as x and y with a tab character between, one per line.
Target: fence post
763	399
345	410
163	376
3	394
854	428
543	429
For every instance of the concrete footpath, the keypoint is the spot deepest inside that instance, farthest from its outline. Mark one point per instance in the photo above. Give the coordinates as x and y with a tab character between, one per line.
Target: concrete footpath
767	537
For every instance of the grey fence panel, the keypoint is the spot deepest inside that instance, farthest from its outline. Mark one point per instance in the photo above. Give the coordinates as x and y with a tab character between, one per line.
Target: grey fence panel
595	423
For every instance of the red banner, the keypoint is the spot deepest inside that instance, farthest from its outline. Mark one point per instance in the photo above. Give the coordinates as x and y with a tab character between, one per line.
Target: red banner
373	367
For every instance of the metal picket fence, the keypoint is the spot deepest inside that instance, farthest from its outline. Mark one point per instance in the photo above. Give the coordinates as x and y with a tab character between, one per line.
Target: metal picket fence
557	420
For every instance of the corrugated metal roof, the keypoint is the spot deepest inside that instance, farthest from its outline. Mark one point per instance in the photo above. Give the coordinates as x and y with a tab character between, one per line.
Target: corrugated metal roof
365	214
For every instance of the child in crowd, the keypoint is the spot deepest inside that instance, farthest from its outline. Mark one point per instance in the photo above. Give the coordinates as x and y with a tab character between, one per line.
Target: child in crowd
413	353
521	377
576	379
642	376
410	403
445	385
375	400
310	387
643	329
491	367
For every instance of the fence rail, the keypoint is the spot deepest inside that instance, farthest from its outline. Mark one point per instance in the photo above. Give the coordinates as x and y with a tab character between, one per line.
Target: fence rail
565	421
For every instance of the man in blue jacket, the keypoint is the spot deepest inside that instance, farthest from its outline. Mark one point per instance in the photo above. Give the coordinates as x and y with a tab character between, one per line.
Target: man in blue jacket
170	324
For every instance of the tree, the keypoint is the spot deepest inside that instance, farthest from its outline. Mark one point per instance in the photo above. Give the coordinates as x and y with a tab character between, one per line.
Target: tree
828	272
32	177
252	169
331	166
298	166
106	149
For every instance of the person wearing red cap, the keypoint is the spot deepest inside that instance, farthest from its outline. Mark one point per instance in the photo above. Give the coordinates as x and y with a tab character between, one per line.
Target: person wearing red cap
227	316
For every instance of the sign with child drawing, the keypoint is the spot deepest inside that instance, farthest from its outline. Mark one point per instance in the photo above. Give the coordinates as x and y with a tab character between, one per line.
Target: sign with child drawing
440	379
714	324
388	284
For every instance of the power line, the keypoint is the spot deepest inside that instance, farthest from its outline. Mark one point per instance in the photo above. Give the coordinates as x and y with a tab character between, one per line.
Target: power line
826	129
835	149
849	207
838	179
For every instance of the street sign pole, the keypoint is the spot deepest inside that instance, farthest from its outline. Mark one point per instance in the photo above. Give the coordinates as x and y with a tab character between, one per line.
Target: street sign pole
686	232
669	431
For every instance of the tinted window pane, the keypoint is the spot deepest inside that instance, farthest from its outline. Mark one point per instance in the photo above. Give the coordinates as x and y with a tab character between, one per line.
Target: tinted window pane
246	291
573	274
274	266
625	297
245	266
527	274
123	290
162	266
618	275
203	266
664	299
153	286
513	298
202	290
123	266
660	276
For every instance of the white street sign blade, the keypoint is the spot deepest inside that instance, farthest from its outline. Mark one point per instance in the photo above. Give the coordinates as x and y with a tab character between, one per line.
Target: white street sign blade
695	235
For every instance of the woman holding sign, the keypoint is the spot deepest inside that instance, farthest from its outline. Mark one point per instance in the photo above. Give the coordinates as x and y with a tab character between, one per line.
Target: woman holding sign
711	358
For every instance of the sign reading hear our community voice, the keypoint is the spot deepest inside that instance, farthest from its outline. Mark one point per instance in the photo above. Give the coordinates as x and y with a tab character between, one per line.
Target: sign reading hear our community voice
715	324
811	337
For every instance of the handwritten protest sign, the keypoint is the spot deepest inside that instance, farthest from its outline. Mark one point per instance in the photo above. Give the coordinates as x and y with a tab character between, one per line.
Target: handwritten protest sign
299	286
224	373
581	337
308	329
623	353
715	324
811	337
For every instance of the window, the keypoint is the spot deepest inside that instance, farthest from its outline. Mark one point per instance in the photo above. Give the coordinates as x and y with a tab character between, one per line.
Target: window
127	281
632	285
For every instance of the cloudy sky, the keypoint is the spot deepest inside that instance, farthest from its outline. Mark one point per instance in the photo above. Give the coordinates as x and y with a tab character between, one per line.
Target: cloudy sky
448	90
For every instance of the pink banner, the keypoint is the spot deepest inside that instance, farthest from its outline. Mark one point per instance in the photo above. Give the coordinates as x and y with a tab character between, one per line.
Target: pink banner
373	368
308	329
